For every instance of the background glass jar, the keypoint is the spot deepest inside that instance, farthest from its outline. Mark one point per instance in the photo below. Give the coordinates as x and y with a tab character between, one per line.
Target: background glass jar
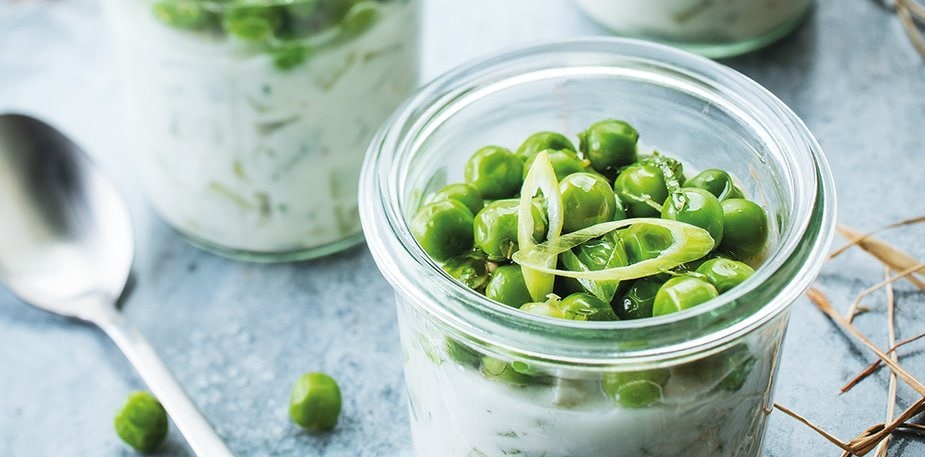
250	119
485	379
714	28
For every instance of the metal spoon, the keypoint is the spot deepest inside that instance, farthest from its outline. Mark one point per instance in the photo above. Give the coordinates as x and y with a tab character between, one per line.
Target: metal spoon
67	247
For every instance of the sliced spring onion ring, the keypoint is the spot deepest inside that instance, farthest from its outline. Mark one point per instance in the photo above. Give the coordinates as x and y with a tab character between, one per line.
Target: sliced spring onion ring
639	199
540	177
690	243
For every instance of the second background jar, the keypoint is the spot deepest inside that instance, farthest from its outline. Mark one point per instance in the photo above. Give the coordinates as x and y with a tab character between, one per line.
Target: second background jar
249	122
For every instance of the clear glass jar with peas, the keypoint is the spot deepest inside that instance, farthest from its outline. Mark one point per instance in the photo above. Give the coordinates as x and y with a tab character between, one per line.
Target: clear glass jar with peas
594	245
249	119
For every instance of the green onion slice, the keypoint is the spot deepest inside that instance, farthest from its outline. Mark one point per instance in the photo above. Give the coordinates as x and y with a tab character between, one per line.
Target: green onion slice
541	177
690	243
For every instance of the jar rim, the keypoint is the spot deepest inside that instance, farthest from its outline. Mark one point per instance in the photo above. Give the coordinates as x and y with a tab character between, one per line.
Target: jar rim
790	268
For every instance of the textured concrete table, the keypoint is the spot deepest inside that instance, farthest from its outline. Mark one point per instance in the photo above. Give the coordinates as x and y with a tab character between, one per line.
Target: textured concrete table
237	335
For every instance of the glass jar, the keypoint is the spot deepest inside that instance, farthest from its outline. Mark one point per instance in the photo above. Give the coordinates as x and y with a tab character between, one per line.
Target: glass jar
485	379
249	120
714	28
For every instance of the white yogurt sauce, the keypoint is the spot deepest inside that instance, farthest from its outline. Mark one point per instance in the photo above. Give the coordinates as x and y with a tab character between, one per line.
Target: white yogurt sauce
240	154
457	411
695	21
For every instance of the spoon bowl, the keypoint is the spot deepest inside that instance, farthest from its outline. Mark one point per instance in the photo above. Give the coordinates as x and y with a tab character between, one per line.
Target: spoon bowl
67	247
67	234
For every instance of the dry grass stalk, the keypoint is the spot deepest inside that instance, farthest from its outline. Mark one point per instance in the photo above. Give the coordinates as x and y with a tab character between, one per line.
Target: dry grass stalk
853	311
868	439
877	436
853	240
866	442
890	256
873	436
909	11
909	426
884	446
916	8
877	363
832	438
822	302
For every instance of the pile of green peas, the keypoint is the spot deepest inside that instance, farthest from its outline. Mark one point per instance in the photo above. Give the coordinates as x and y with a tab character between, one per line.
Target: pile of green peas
471	228
280	28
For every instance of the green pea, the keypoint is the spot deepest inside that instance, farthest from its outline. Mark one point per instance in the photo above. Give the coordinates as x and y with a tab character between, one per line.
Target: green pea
542	141
745	230
443	229
184	14
643	241
638	300
360	18
635	389
142	422
507	286
742	362
680	293
315	402
525	368
289	56
495	172
639	185
716	182
496	228
252	23
587	199
500	370
564	163
696	207
470	269
695	264
463	193
725	274
462	353
609	145
586	307
543	309
725	371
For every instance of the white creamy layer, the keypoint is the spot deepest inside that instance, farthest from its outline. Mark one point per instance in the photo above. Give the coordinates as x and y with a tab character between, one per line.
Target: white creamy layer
695	21
238	153
458	412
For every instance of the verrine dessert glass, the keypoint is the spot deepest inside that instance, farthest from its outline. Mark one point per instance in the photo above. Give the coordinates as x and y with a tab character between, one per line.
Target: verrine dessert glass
249	120
714	28
485	379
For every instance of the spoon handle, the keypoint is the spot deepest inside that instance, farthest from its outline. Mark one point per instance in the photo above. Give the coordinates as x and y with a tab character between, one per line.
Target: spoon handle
199	434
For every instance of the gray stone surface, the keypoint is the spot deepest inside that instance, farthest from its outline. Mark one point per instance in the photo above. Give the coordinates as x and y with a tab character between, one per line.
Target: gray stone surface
237	335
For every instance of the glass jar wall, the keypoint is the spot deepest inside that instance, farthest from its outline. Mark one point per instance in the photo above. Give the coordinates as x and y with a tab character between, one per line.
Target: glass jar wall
249	120
714	28
485	379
